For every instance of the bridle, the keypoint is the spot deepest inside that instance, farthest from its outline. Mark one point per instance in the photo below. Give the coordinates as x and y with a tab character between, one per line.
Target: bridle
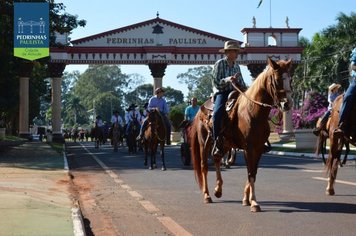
276	93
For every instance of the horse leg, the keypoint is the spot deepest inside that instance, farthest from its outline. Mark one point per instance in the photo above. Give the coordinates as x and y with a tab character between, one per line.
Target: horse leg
252	159
246	198
204	174
219	181
162	157
332	177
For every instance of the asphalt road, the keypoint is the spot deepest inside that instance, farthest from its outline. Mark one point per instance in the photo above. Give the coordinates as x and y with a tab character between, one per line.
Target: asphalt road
291	192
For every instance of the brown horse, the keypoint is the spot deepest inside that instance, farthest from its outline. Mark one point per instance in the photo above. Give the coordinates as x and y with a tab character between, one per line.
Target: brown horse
154	135
245	127
336	143
98	135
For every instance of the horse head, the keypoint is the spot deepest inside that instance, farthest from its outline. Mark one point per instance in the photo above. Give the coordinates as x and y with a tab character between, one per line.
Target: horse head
281	83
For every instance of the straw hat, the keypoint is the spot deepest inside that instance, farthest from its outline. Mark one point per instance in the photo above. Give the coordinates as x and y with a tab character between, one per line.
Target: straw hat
159	90
333	86
231	45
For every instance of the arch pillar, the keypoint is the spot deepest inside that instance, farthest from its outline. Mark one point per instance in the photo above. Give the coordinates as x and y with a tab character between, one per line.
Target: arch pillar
56	72
157	71
24	73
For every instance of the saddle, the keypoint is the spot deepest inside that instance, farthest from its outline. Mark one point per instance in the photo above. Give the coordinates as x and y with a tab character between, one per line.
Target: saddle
208	106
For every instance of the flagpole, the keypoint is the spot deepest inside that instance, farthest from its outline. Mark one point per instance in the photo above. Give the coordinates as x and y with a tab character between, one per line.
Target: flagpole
270	14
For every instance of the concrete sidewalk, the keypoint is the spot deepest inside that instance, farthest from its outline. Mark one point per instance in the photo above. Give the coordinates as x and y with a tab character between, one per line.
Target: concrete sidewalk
34	193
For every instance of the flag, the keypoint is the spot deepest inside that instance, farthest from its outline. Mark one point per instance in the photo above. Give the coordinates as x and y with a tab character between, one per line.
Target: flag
259	4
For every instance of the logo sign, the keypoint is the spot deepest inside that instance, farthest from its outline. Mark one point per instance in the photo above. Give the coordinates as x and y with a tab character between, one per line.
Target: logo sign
31	30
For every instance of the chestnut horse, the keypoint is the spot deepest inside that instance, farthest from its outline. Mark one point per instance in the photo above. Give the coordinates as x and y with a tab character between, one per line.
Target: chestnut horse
154	135
337	143
245	127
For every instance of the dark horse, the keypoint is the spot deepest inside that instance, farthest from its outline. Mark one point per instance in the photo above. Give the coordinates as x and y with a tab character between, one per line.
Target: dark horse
98	135
154	135
116	134
336	143
133	132
245	127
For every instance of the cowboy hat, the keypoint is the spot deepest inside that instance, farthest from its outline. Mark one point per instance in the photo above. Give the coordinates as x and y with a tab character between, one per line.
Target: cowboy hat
160	89
133	105
231	45
333	85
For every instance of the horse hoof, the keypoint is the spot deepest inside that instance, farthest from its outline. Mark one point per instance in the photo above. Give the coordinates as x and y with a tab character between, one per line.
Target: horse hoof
150	168
330	192
256	208
208	200
218	194
246	202
163	168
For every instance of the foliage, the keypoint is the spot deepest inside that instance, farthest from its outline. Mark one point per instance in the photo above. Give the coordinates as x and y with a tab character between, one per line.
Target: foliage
313	107
325	60
39	88
198	80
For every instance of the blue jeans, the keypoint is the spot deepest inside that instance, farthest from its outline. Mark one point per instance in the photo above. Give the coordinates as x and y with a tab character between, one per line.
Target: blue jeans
349	99
219	112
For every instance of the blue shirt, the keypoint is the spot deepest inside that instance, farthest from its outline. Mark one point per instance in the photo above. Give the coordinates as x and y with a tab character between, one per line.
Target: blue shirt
331	99
190	112
159	103
221	71
353	62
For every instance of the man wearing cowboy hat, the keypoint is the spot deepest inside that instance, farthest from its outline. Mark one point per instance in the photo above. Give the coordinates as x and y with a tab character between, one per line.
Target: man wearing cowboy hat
332	95
158	101
225	72
132	114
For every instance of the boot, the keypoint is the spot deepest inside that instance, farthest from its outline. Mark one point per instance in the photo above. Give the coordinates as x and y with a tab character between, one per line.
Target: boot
218	148
316	131
339	131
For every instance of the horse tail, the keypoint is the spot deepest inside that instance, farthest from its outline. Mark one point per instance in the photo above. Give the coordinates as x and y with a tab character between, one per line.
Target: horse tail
195	151
320	146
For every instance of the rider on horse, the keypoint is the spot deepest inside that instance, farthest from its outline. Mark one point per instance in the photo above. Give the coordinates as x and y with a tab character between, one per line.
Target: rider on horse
225	72
332	95
348	101
131	116
158	101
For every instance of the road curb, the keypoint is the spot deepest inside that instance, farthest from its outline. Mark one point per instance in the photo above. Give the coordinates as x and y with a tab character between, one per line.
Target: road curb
77	217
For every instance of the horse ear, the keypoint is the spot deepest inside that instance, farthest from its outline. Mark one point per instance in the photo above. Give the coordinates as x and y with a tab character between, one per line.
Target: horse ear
272	63
289	64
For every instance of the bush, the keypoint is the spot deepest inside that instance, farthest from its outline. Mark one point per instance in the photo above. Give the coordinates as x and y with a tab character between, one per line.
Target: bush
176	117
315	105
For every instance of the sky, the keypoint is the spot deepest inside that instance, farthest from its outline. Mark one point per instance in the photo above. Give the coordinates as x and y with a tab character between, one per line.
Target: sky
224	17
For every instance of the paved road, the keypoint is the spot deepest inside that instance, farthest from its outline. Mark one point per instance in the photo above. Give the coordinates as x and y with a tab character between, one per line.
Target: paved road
135	201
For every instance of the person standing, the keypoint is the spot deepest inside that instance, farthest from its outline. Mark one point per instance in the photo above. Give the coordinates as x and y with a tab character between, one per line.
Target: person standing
158	101
332	95
225	72
348	101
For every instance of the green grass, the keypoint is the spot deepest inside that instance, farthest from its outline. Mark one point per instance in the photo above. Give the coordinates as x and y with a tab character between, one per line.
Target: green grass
13	138
58	147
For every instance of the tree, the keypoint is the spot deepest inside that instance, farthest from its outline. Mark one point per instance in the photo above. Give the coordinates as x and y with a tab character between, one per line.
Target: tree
199	82
61	22
325	60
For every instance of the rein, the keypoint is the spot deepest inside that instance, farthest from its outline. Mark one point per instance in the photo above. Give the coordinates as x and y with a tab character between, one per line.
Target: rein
155	130
254	101
257	102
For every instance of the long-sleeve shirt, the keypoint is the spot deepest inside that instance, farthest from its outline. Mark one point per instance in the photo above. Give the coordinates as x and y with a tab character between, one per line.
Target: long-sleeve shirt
331	99
159	103
221	72
118	119
131	115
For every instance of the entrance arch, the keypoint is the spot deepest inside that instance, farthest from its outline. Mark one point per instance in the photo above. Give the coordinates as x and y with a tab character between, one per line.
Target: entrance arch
159	43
